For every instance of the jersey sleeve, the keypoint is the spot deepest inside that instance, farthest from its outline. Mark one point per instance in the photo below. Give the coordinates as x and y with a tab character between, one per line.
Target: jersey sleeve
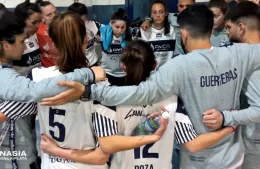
184	130
15	110
104	121
20	88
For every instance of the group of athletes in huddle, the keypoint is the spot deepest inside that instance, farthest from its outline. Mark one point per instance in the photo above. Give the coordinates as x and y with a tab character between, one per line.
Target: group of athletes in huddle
201	65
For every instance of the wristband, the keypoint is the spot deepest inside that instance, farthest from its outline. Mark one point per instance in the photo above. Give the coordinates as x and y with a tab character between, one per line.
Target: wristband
94	76
223	122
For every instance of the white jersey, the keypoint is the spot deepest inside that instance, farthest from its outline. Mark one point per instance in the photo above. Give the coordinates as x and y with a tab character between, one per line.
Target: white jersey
162	45
159	154
74	125
92	30
151	156
110	60
31	57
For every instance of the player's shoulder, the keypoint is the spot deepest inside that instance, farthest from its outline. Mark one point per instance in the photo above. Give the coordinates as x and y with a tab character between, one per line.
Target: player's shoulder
173	19
41	73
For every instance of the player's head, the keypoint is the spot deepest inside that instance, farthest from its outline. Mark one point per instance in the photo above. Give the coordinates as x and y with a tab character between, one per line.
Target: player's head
120	24
196	23
48	11
219	9
30	14
2	7
241	19
138	61
159	13
68	33
12	37
80	9
183	4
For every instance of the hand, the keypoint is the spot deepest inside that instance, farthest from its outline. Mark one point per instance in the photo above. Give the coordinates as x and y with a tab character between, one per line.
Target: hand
73	93
163	126
99	73
213	118
146	25
48	145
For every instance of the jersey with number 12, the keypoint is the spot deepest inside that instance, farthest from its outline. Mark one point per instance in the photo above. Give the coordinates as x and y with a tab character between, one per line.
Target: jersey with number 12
150	156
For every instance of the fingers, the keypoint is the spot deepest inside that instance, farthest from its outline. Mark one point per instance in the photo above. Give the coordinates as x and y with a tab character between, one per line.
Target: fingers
45	137
210	111
66	83
56	100
154	114
163	109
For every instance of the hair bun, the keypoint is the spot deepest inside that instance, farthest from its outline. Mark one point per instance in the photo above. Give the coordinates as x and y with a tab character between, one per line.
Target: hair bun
121	10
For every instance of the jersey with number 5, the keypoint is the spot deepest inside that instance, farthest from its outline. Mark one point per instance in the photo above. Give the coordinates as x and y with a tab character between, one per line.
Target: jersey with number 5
71	125
151	156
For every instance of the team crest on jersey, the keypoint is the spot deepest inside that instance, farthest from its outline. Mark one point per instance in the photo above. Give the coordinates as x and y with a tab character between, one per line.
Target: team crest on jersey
117	41
31	45
158	35
223	42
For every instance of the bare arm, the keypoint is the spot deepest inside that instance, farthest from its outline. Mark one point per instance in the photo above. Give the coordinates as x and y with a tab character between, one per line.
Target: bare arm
118	143
94	157
206	140
3	118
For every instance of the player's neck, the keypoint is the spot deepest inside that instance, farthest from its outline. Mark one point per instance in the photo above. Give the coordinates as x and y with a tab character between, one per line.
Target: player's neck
252	37
158	26
199	44
3	60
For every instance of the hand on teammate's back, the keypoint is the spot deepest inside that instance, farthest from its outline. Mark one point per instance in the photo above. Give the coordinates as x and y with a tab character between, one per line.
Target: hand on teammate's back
146	25
73	93
213	119
48	145
99	73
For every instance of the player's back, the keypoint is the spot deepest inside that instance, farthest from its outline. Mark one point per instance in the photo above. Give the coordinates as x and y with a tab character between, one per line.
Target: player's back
151	156
70	125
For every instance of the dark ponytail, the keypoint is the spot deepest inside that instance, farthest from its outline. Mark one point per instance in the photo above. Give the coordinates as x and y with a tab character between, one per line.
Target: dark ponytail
166	22
120	14
139	59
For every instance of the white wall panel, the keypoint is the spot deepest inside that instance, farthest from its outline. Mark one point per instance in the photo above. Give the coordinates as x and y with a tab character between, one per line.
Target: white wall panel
64	3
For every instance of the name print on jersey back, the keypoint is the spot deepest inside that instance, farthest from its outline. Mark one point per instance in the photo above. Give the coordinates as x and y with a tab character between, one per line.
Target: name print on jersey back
218	80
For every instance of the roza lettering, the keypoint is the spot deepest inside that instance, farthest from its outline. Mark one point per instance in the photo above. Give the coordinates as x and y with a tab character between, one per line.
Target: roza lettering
146	166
